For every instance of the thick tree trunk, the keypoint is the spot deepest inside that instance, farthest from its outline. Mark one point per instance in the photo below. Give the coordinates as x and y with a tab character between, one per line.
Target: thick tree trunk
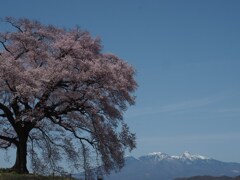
20	165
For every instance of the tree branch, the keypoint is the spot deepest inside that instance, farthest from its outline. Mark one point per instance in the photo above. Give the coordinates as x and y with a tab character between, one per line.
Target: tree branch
11	21
21	53
8	139
5	47
70	129
8	113
11	89
15	106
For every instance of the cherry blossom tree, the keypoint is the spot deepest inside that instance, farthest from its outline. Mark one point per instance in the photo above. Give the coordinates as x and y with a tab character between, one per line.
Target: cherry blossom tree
62	98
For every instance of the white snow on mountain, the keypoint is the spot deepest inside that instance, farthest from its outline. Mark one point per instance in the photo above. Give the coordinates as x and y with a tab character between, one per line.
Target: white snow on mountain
163	156
159	154
158	165
188	155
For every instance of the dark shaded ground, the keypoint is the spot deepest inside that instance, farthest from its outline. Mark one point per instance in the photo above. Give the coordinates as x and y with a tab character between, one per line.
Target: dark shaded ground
210	178
8	176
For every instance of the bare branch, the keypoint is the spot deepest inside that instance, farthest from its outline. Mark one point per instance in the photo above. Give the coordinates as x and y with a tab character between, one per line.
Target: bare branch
70	129
21	53
8	139
10	88
3	115
7	112
13	23
5	47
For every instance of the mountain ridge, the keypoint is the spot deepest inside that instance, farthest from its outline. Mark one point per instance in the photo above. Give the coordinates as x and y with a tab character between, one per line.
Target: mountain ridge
159	165
186	155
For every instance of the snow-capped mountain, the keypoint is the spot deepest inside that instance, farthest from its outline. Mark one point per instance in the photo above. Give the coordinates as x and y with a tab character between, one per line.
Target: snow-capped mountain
188	156
155	156
158	156
161	166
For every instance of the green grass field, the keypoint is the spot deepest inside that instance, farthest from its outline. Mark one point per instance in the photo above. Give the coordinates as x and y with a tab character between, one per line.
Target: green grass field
7	174
13	176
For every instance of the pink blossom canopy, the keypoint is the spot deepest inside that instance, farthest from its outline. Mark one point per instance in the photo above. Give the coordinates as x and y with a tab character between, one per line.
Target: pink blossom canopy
59	86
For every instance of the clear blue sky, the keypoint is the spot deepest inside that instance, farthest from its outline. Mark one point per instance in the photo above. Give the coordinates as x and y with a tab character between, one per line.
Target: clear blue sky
187	58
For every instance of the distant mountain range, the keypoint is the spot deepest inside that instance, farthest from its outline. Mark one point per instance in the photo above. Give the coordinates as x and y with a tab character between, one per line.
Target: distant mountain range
161	166
210	178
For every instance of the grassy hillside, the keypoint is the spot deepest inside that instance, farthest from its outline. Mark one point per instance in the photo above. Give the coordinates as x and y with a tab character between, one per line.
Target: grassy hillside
7	174
210	178
12	176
